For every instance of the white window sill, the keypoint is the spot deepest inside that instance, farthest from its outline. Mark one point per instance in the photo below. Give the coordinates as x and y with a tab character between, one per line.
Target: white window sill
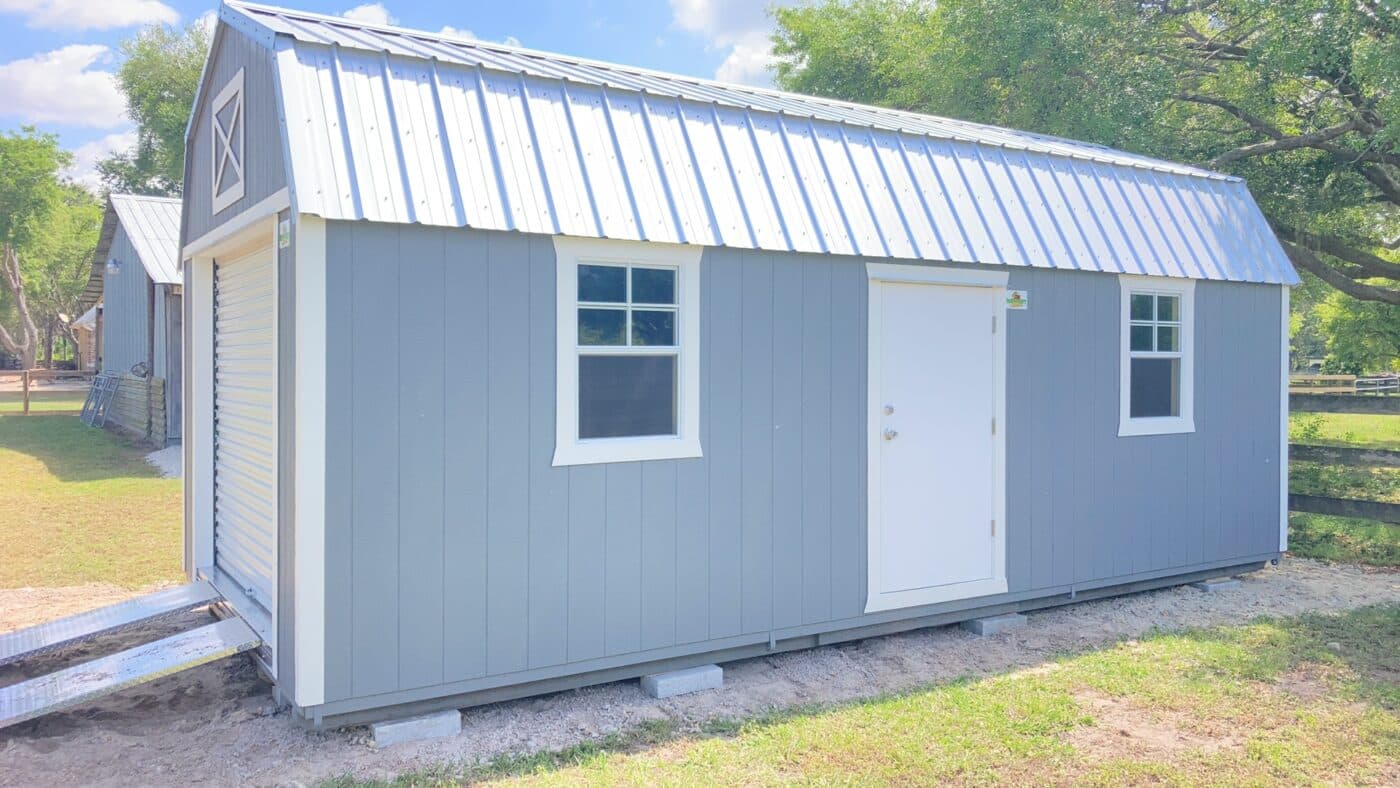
595	452
1167	425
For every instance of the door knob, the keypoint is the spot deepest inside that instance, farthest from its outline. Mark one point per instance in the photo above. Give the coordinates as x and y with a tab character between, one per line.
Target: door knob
891	435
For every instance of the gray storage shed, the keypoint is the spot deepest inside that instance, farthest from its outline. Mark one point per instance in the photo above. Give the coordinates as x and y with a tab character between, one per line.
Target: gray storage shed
136	276
511	372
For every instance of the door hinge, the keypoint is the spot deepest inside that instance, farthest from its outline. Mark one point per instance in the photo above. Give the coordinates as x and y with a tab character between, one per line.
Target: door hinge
994	324
994	425
994	529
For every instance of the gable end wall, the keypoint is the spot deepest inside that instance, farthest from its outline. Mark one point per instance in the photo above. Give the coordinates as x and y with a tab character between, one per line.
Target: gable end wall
264	166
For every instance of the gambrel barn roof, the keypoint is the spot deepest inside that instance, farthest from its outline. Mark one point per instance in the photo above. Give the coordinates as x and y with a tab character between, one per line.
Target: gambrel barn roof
392	125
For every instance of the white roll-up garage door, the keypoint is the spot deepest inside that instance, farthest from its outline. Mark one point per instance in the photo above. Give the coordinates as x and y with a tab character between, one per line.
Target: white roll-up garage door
245	424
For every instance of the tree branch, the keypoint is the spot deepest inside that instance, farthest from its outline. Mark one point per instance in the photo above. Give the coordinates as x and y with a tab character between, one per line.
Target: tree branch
1366	162
1367	263
1258	124
1382	180
1277	144
1165	7
1353	156
1305	259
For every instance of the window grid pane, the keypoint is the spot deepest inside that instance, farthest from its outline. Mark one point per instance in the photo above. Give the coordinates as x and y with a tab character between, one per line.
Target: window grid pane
623	394
602	284
1155	355
1154	324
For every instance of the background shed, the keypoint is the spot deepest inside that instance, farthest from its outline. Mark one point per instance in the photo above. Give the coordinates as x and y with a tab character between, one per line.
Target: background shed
135	274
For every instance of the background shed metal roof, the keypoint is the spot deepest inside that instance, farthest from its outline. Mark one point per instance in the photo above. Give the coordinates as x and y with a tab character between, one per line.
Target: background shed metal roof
392	125
153	225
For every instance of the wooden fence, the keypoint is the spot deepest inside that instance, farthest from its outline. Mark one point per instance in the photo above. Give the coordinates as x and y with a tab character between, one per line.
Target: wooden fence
1383	511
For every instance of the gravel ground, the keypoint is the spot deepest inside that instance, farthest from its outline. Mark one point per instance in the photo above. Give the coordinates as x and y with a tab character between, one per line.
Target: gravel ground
216	725
170	461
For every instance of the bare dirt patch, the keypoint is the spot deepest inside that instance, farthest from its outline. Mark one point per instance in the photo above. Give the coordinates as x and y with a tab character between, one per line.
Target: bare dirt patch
1306	682
215	724
25	607
1122	728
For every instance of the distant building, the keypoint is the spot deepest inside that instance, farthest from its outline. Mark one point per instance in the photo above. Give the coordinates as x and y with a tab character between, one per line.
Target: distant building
137	330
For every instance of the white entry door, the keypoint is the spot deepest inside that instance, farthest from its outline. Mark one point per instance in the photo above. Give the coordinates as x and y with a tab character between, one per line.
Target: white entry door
936	470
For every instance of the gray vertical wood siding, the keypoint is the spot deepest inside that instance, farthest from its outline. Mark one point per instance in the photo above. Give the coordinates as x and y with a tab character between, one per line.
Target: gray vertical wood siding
264	169
126	324
456	552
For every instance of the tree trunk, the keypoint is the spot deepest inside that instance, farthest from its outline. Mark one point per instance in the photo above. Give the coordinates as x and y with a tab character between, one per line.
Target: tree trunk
48	344
26	345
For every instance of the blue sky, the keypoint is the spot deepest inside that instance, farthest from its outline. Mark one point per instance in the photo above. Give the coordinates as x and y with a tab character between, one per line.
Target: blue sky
56	56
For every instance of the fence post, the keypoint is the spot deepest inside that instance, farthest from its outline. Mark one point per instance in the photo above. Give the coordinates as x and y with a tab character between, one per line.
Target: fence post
26	392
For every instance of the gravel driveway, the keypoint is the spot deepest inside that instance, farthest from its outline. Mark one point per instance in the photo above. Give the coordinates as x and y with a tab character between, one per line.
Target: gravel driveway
216	725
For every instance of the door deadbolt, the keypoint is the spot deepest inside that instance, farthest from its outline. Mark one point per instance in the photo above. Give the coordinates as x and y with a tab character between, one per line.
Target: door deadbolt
889	410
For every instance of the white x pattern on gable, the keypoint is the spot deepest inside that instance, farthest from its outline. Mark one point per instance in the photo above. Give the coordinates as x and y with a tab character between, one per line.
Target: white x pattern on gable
226	144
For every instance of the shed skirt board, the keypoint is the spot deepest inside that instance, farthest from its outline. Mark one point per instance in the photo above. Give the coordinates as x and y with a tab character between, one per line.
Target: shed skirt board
934	452
245	428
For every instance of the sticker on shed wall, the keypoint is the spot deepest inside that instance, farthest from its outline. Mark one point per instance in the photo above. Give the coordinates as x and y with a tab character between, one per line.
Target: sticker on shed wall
1018	299
284	233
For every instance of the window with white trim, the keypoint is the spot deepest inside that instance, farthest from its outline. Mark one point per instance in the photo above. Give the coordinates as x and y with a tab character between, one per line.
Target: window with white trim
1157	374
628	351
226	144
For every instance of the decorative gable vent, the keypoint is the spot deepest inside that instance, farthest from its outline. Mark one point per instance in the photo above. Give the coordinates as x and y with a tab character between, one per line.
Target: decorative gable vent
226	125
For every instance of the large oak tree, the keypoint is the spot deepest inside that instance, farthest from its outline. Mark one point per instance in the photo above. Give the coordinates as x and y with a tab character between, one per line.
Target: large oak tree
1302	98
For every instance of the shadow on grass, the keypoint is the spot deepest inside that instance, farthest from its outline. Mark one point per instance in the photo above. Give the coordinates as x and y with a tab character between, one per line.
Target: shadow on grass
73	451
1024	711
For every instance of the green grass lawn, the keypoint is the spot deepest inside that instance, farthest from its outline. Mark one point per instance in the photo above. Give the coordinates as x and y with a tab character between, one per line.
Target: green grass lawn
1296	701
1344	539
42	401
1344	481
1362	430
81	505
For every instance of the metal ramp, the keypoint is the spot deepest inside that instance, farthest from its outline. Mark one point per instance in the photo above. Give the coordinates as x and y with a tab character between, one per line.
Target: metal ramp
24	643
90	680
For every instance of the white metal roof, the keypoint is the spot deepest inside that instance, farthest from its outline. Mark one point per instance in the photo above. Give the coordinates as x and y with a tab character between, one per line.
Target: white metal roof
153	225
392	125
88	319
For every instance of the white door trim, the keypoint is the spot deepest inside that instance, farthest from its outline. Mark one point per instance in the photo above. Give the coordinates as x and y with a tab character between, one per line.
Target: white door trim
309	457
886	272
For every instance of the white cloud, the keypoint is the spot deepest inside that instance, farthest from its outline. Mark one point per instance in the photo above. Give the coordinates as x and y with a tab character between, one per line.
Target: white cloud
84	167
60	87
371	14
748	62
739	26
90	14
456	32
459	32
